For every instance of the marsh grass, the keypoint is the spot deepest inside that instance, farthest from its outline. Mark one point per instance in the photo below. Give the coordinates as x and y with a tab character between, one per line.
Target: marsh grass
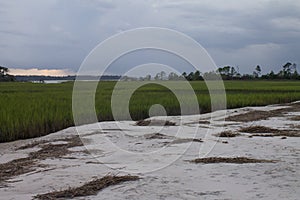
295	118
262	131
228	134
155	123
234	160
88	189
29	164
31	110
258	129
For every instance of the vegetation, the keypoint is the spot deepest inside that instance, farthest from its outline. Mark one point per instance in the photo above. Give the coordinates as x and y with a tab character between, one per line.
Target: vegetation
32	109
288	72
88	189
4	76
235	160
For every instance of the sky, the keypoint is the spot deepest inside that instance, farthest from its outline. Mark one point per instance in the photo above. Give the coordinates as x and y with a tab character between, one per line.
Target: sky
53	37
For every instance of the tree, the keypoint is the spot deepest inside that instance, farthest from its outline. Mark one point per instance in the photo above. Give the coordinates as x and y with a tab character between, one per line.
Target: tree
287	70
225	72
160	76
190	76
295	75
270	75
173	76
184	75
163	75
3	71
4	76
257	72
147	77
197	76
233	72
157	77
294	67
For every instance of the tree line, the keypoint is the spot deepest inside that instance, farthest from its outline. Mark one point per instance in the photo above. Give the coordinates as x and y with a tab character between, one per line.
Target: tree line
288	72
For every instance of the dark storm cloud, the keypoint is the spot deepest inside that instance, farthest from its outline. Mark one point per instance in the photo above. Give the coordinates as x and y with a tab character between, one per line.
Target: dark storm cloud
262	32
60	33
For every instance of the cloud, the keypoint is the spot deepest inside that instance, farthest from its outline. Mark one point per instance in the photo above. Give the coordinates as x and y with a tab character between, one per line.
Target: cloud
255	54
59	33
41	72
287	23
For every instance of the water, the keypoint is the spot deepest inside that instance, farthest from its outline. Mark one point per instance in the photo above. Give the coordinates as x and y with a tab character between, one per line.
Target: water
51	81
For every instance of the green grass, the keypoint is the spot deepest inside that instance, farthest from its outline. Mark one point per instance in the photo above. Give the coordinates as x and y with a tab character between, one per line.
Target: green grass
31	110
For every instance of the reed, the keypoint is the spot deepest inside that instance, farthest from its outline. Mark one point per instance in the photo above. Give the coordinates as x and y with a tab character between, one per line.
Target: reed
31	110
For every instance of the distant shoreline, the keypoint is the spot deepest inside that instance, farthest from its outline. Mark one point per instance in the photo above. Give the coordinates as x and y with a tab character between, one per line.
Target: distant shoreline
63	78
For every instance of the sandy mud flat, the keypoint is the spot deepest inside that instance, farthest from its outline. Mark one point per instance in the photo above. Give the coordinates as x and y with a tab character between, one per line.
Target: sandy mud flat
253	154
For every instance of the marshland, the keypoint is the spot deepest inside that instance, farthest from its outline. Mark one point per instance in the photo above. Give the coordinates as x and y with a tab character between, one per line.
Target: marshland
34	109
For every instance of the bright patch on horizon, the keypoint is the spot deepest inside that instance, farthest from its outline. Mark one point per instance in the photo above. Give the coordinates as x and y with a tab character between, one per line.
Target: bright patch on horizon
41	72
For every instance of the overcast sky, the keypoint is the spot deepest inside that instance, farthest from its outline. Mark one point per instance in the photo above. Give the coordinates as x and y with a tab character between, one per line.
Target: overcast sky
59	34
